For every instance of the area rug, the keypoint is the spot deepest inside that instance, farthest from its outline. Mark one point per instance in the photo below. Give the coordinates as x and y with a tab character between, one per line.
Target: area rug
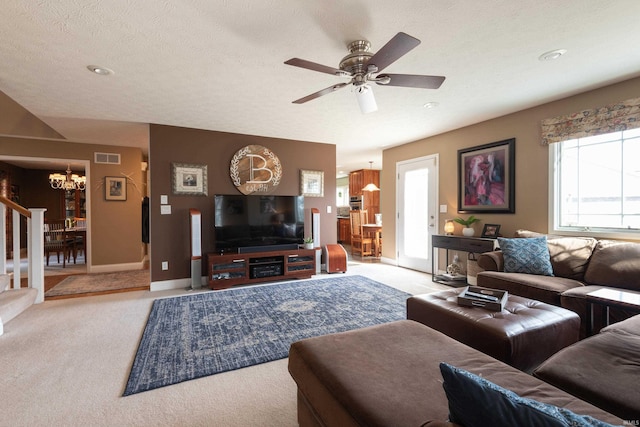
100	282
203	334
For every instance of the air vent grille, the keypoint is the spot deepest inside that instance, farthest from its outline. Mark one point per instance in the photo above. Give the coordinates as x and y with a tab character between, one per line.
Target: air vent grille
107	158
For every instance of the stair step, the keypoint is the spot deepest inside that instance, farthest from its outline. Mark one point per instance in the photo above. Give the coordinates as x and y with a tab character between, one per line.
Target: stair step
13	302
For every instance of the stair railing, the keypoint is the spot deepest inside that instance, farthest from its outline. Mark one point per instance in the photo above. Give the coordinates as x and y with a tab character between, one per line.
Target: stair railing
35	244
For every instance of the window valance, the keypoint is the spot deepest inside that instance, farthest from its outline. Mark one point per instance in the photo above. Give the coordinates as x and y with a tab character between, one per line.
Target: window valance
596	121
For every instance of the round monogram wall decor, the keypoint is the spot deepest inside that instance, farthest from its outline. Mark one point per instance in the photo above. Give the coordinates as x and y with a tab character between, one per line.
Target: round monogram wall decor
254	169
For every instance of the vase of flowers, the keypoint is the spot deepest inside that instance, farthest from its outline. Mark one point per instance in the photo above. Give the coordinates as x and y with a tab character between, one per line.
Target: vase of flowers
467	231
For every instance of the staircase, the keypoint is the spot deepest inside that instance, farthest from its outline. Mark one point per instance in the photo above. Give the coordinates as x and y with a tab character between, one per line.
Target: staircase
14	300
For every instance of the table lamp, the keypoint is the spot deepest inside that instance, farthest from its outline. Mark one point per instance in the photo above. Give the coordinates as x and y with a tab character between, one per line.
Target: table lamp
448	227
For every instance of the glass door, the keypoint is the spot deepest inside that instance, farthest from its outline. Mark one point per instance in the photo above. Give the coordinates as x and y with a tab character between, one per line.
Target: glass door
417	189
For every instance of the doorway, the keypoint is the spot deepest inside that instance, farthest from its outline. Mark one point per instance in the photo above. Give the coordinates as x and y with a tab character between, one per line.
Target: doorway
417	190
34	175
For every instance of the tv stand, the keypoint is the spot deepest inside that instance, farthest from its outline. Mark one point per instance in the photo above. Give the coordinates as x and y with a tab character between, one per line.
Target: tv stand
227	270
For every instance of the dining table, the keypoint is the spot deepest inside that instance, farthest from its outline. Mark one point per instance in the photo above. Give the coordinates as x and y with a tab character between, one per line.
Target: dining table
375	232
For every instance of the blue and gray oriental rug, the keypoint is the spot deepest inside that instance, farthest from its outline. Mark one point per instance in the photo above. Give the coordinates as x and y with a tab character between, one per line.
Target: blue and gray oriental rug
203	334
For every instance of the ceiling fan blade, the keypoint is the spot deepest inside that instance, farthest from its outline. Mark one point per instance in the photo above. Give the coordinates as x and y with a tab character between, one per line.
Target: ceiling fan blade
395	48
302	63
320	93
409	80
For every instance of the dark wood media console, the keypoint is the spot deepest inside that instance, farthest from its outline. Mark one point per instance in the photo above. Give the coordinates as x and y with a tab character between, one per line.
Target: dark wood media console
227	270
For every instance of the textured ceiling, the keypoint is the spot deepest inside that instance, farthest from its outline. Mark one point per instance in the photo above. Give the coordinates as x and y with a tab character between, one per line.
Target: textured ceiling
218	64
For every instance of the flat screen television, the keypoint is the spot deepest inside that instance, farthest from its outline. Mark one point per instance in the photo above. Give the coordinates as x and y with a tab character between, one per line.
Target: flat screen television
258	223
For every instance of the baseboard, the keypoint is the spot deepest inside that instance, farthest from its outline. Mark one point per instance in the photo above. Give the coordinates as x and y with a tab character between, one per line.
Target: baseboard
110	268
391	261
166	285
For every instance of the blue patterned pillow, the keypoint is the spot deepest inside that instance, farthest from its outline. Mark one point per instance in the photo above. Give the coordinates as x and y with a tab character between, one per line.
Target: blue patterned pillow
474	401
526	255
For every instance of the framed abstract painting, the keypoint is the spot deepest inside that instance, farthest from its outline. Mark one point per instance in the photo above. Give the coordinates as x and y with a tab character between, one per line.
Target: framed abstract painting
486	178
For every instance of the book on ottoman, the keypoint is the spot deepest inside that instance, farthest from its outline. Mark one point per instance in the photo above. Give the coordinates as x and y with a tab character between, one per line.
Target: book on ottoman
491	299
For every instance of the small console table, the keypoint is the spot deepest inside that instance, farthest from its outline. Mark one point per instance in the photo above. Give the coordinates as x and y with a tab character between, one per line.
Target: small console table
457	243
228	270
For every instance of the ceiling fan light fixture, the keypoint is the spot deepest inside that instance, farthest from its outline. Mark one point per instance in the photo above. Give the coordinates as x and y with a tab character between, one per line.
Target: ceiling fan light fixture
366	100
361	65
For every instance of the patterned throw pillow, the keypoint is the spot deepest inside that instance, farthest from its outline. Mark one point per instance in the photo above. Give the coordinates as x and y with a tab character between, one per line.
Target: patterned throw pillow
526	255
476	402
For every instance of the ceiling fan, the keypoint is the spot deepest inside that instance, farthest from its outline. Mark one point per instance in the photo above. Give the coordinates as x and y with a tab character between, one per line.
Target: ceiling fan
363	67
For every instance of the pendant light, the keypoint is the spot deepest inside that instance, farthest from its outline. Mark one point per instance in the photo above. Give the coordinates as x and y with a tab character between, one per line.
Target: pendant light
370	186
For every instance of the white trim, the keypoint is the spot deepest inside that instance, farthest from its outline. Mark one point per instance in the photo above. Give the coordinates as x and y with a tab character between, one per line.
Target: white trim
552	189
391	261
109	268
166	285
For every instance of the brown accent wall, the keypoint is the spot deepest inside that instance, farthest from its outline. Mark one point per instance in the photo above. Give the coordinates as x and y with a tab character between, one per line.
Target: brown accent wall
170	233
116	227
532	180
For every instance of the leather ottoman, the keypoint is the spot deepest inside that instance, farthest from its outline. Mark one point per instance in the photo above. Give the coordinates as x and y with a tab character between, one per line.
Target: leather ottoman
524	334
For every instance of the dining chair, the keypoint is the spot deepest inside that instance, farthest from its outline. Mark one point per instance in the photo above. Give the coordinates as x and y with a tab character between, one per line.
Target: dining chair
56	239
359	242
80	233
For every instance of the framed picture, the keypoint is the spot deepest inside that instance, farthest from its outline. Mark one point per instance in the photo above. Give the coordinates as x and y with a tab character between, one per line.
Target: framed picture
189	179
486	178
311	183
115	188
491	231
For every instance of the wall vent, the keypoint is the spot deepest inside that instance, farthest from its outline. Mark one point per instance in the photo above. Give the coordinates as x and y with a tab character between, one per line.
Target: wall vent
107	158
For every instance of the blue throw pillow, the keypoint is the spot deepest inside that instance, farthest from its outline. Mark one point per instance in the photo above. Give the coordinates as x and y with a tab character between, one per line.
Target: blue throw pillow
526	255
474	401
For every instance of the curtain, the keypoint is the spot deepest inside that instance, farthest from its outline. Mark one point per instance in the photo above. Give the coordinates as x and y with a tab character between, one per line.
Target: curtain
611	118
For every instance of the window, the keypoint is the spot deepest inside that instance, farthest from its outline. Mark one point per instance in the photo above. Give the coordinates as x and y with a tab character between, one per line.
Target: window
342	195
595	184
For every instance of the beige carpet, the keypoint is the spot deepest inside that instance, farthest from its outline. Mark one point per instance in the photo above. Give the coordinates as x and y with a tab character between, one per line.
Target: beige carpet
102	282
66	363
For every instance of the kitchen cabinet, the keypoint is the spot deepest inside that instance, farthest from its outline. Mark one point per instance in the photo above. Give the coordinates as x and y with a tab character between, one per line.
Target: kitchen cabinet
344	231
355	183
370	199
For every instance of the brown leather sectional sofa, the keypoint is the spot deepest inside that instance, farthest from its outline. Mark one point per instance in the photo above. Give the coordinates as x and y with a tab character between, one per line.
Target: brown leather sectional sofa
580	265
388	375
603	369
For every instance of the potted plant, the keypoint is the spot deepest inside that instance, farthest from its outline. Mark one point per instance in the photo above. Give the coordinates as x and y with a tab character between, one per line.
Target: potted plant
467	223
308	242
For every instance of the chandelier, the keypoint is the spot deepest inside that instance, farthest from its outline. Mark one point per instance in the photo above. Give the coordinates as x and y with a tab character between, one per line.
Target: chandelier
70	181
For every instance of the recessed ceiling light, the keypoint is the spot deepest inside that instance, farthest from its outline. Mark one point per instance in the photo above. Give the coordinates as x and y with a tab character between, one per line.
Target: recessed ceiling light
552	55
431	105
103	71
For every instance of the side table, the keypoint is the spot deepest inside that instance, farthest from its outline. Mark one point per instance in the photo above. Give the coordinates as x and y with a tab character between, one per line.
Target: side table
607	298
475	245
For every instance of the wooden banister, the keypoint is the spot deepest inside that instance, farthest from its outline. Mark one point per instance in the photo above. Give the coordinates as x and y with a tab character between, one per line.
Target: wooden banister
16	207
